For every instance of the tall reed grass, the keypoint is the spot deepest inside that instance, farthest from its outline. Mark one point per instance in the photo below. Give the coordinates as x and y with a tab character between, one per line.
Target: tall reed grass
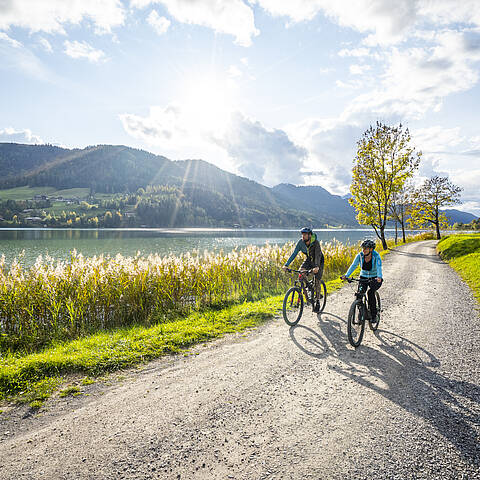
62	300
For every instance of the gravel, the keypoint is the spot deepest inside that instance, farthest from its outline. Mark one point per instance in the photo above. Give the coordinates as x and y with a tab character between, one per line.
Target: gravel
285	403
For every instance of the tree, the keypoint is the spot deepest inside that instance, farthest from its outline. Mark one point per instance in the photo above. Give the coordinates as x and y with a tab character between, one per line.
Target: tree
384	161
399	207
428	199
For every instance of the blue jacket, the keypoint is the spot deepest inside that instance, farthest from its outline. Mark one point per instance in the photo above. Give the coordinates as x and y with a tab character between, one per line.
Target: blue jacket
376	270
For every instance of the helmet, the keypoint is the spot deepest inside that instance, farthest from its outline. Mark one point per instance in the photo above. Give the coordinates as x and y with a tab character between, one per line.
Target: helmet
306	230
368	244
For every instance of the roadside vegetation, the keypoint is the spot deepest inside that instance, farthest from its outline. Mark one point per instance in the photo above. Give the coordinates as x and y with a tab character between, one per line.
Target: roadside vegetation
90	316
463	254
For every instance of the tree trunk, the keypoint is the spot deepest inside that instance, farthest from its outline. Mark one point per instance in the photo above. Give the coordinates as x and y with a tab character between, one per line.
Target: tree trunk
403	231
382	238
437	224
396	231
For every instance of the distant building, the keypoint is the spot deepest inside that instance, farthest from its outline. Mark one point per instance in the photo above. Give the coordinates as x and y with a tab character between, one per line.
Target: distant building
34	219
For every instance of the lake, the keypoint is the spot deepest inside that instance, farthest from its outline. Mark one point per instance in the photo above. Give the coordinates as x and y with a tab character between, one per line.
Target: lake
58	243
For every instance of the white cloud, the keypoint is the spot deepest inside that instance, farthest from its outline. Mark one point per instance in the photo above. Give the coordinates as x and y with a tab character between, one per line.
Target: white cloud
45	45
388	21
265	155
417	79
160	24
77	49
232	17
51	15
357	69
354	52
5	38
9	134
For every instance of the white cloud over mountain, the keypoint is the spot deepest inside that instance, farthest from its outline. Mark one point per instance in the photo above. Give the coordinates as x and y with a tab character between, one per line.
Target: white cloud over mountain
9	134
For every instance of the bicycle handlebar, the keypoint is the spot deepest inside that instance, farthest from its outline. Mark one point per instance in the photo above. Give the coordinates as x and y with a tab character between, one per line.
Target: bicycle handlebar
290	270
350	280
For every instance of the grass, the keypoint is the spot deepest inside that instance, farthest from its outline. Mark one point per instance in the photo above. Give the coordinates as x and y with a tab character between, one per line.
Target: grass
33	376
25	193
463	254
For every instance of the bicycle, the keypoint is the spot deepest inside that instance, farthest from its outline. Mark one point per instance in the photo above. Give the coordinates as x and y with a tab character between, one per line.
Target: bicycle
294	298
359	312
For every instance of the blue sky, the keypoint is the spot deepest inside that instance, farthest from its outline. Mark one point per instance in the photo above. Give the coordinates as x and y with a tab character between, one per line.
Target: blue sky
275	90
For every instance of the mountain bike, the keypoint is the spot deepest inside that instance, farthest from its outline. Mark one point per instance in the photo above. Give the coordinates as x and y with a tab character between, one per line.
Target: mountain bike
302	291
359	312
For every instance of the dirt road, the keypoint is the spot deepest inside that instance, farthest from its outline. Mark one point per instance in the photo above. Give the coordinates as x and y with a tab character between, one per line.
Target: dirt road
288	403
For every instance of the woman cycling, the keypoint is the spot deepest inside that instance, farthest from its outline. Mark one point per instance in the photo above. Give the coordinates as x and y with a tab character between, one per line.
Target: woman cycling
371	268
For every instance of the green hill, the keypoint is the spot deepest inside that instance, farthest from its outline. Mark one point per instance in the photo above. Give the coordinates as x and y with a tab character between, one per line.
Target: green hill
152	190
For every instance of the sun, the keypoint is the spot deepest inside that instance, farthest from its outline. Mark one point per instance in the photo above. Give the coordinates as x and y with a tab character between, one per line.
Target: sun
208	104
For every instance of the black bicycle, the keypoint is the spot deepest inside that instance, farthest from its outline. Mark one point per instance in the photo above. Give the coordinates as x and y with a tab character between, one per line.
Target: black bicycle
302	291
359	312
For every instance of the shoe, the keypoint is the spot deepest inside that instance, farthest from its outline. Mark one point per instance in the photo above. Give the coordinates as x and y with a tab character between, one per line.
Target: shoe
320	296
316	307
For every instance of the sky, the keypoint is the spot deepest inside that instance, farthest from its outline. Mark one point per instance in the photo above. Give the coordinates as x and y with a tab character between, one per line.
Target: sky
273	90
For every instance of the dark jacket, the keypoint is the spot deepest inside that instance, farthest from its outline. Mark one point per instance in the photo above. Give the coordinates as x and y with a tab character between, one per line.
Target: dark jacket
313	251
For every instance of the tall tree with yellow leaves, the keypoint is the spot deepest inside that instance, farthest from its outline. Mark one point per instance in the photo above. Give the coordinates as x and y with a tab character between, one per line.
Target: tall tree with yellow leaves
385	160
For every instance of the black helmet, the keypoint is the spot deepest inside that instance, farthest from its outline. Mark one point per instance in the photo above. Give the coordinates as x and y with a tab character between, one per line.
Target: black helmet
368	244
306	230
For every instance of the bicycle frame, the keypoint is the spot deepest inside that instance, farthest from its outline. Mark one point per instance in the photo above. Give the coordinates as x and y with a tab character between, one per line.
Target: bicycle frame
304	283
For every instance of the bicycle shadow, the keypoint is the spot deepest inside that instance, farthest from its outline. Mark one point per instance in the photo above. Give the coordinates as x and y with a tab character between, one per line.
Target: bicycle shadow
405	373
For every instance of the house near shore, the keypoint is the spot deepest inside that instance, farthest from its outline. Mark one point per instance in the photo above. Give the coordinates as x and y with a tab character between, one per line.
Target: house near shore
33	219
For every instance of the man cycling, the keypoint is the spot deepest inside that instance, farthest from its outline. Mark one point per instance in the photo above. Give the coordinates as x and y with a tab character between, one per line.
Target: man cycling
371	268
310	246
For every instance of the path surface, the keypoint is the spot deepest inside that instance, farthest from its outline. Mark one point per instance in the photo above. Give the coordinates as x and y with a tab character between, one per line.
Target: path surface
286	403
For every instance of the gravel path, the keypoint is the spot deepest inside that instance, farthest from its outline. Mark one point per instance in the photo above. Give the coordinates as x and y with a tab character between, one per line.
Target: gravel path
287	403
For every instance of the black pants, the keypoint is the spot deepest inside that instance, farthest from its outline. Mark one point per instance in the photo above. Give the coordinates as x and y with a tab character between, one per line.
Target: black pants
308	265
374	286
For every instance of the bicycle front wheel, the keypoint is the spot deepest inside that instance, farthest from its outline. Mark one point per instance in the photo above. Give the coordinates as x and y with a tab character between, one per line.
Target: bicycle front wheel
293	306
323	296
373	324
356	323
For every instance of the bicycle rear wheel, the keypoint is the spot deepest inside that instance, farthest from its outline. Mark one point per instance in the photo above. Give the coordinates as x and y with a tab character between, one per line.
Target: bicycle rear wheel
373	324
323	298
293	306
356	323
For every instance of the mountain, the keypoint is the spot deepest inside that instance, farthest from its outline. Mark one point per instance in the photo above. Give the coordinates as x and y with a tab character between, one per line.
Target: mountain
318	201
457	216
159	192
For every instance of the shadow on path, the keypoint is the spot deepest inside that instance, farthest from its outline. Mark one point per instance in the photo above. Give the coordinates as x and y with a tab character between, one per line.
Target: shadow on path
404	373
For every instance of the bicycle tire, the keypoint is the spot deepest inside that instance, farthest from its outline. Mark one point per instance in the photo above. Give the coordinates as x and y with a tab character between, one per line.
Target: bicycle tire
356	323
374	325
293	312
323	301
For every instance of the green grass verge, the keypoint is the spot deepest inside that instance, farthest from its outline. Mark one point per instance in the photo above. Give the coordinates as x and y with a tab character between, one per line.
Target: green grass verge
25	193
463	254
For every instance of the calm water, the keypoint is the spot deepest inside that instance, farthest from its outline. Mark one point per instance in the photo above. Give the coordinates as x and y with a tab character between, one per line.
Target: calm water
58	243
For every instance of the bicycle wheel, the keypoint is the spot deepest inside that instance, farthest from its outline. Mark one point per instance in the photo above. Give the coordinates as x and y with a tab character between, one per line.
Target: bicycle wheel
374	324
323	298
356	323
293	306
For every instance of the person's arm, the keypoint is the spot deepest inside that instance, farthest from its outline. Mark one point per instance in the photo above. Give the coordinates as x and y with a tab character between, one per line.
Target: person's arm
318	255
379	266
353	266
293	255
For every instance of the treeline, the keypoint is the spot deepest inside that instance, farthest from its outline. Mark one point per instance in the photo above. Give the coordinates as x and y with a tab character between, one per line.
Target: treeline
153	206
473	225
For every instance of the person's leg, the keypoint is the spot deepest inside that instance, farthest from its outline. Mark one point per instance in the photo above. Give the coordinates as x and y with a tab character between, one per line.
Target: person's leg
372	304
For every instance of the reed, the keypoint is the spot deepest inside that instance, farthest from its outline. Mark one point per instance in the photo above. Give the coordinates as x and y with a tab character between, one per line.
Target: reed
54	301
